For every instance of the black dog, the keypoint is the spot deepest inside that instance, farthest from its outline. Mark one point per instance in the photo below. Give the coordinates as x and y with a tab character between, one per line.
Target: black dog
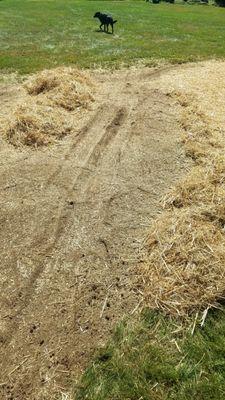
105	20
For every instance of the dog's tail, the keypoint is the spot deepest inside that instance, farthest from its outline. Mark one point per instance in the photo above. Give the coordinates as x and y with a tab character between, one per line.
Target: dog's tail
114	21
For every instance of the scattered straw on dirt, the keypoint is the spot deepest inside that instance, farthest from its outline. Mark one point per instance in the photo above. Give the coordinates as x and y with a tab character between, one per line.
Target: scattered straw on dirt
185	268
49	107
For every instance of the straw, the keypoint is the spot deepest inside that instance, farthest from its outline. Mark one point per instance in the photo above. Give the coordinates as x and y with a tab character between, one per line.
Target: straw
48	107
185	268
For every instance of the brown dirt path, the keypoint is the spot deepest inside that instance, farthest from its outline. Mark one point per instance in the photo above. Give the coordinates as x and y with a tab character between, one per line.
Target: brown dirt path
73	220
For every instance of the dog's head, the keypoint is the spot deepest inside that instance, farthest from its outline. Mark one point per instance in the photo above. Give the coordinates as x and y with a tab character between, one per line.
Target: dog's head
97	14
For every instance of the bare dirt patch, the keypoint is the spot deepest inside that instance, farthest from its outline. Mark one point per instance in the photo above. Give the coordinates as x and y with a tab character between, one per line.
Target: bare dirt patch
73	220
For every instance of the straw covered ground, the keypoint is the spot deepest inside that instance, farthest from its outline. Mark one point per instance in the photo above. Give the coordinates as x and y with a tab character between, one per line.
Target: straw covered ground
185	267
73	218
48	106
75	215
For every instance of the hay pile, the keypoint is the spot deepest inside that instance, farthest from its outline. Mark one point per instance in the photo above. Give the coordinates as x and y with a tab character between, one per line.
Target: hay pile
51	103
185	267
35	125
65	87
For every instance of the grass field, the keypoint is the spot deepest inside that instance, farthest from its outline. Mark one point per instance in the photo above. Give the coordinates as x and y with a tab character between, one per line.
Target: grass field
36	34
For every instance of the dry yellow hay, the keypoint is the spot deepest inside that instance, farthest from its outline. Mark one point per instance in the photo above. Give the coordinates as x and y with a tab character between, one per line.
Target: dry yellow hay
43	113
35	125
42	82
65	87
185	267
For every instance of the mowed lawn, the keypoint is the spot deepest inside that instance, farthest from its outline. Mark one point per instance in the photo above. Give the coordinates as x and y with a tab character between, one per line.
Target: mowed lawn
36	34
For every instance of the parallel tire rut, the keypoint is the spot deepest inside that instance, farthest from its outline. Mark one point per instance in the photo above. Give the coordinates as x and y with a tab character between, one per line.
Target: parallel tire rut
72	231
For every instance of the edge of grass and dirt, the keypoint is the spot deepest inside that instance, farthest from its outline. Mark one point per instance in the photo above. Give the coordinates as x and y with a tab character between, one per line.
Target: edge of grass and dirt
174	348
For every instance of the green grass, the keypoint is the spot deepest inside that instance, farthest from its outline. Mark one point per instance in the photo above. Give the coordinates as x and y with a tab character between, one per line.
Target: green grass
36	34
153	360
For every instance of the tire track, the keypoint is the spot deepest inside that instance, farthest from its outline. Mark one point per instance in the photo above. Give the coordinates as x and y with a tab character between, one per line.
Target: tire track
82	134
80	184
97	153
79	250
64	212
88	169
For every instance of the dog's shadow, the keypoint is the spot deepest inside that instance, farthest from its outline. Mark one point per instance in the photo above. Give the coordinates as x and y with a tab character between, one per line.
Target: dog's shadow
101	31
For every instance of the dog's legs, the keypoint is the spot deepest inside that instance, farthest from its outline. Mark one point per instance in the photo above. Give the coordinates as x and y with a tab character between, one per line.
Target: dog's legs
101	27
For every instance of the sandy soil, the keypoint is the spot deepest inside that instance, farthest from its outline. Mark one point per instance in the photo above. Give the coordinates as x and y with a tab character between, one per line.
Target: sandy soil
73	220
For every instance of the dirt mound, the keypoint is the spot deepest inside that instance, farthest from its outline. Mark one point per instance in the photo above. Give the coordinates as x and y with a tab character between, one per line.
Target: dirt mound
44	110
185	268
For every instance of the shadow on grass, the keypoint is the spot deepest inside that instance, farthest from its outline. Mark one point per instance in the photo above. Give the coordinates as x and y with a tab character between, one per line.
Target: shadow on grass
101	31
